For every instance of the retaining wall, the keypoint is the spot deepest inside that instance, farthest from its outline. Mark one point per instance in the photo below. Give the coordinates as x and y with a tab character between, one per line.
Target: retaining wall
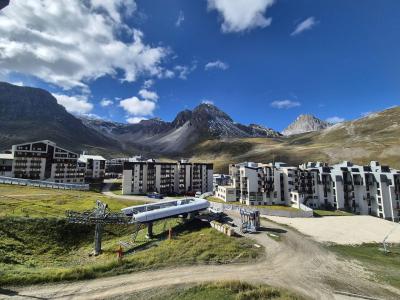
264	211
45	184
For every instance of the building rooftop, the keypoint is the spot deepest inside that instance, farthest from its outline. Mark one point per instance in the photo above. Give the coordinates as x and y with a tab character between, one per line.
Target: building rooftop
84	157
6	156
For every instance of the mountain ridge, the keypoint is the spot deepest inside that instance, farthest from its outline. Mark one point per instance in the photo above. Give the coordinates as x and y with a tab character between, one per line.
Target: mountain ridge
305	123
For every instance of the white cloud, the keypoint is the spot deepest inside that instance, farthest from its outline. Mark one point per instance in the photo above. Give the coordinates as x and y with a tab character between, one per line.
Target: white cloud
241	15
216	65
285	104
70	43
184	71
135	120
307	24
205	101
137	107
74	104
366	113
19	83
180	19
148	83
113	7
335	119
106	102
148	95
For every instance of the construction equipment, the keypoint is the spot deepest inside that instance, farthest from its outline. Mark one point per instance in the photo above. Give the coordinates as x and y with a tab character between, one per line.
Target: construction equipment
250	220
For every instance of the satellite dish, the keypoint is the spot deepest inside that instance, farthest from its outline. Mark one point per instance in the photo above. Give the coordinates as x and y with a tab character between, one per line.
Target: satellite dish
4	3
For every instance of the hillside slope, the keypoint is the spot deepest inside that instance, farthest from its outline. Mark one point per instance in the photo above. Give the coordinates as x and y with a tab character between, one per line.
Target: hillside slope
375	137
29	114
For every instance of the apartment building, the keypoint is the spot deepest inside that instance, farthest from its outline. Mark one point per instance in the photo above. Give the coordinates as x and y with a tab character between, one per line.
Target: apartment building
368	190
260	184
115	166
94	167
142	177
221	180
371	189
6	161
44	160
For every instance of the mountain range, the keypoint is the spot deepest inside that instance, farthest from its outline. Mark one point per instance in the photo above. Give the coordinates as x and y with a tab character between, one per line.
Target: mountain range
204	133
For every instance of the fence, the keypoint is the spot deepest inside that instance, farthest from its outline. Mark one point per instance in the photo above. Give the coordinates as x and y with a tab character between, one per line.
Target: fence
46	184
264	211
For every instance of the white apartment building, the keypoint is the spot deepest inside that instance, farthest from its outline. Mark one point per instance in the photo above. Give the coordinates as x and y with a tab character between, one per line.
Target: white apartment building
95	166
6	161
260	184
372	189
367	190
166	178
226	193
44	160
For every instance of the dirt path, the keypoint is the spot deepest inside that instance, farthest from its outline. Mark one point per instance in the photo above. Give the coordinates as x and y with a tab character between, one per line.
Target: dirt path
296	263
106	191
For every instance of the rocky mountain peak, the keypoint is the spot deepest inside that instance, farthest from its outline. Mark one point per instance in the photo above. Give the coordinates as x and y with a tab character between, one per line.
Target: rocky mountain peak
305	123
209	111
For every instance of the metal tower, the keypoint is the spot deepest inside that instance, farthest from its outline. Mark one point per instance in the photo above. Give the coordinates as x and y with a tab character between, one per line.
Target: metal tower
99	216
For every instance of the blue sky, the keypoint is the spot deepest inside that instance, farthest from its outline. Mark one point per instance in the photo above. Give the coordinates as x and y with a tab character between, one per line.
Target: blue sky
261	61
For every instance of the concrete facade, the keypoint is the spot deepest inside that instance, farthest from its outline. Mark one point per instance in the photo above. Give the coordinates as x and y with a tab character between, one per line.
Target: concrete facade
166	178
44	160
366	190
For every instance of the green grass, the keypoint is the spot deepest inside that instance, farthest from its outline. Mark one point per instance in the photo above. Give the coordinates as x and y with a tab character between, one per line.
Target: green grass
385	266
40	202
225	290
326	213
45	250
218	200
116	188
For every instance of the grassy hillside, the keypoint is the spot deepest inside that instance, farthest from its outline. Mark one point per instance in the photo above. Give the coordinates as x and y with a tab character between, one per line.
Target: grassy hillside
386	266
37	244
40	202
375	137
231	290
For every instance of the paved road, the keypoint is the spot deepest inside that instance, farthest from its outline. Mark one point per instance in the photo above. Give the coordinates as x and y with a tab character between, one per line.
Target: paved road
106	191
296	262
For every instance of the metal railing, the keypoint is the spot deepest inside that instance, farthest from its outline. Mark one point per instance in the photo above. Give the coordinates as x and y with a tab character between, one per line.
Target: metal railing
42	183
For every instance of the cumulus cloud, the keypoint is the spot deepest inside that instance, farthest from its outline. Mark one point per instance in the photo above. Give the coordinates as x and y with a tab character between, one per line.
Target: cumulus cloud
241	15
74	104
106	102
148	83
148	95
216	65
180	19
285	104
307	24
69	43
135	120
335	119
137	107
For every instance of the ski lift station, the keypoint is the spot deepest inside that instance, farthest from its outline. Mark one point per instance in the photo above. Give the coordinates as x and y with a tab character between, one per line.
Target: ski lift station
165	209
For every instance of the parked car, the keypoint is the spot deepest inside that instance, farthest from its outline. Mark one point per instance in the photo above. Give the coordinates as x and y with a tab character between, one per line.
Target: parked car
198	194
155	195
